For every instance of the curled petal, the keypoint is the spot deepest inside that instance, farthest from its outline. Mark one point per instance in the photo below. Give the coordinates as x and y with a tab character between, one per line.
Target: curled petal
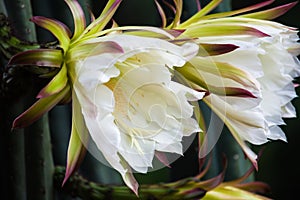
146	31
235	12
210	30
38	57
78	16
178	12
201	13
162	14
57	28
98	24
271	13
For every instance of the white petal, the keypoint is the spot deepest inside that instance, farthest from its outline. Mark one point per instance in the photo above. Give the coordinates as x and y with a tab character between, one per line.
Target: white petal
288	110
249	124
137	152
276	134
171	148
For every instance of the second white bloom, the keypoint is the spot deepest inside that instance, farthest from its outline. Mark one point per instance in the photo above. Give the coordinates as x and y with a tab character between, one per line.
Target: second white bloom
131	107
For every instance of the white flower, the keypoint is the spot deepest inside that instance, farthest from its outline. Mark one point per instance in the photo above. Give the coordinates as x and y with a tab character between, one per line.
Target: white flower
267	64
129	103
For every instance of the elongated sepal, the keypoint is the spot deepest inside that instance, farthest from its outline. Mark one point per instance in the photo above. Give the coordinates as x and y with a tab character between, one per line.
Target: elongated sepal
84	50
128	177
248	152
39	108
162	14
255	187
76	153
162	158
215	49
231	192
195	18
210	30
271	13
152	32
99	23
78	17
224	91
78	140
193	70
57	84
38	57
215	181
178	12
236	12
233	127
57	28
234	91
145	31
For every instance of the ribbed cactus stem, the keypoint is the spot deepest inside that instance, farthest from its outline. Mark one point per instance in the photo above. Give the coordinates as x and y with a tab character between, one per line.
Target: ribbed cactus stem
39	164
2	7
13	159
20	13
38	158
19	16
78	186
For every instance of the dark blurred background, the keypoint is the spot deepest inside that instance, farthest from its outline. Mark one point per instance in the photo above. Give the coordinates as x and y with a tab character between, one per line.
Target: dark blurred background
278	164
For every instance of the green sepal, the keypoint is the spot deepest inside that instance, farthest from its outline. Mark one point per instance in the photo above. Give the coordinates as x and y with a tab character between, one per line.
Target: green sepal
78	17
271	13
236	12
57	84
195	18
178	12
99	23
226	192
39	108
213	29
38	57
57	28
78	140
84	50
225	70
162	14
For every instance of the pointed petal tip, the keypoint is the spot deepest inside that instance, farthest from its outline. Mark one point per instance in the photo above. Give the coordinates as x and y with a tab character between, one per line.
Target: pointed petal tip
255	165
273	12
67	176
262	34
69	171
34	18
40	95
16	124
12	129
253	160
163	159
135	189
